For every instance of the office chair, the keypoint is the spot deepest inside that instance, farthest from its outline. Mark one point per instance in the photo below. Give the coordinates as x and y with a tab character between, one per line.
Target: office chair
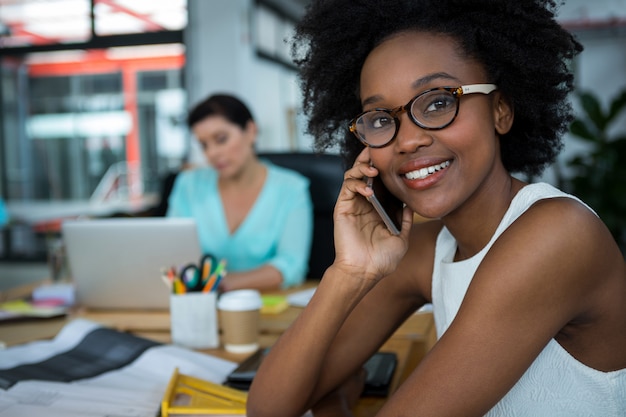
325	173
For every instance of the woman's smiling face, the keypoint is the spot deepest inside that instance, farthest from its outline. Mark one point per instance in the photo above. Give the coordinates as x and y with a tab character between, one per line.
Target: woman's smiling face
461	156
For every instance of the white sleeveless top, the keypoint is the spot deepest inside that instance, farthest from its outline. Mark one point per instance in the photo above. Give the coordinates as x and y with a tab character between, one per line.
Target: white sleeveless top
556	384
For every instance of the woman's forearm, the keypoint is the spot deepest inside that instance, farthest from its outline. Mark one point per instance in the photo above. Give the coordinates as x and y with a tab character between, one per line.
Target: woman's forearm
341	401
290	374
264	278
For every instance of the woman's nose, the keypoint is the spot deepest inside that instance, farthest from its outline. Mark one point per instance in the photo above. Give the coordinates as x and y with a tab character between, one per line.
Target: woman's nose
411	137
211	152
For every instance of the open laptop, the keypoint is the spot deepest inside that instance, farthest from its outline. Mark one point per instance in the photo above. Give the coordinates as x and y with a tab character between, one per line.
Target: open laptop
116	263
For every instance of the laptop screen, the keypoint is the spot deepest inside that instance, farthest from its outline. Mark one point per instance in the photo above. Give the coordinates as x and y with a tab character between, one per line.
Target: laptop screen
117	263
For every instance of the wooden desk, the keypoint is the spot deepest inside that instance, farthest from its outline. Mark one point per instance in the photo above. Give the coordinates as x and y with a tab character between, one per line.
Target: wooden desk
410	342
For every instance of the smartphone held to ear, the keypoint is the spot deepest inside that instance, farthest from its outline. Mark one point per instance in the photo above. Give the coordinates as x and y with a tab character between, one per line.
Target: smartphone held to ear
388	206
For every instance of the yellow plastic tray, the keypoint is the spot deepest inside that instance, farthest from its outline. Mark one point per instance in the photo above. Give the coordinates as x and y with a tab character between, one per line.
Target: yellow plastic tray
186	395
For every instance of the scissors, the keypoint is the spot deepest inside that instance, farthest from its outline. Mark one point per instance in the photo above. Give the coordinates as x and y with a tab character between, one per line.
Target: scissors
195	276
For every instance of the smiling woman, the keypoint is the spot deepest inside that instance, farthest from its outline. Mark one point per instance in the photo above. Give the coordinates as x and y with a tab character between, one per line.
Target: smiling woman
445	112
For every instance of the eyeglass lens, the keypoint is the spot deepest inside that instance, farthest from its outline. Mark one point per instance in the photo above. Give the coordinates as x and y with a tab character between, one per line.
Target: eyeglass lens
430	110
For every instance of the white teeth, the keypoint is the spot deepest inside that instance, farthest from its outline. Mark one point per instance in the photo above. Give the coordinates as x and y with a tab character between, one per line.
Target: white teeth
425	172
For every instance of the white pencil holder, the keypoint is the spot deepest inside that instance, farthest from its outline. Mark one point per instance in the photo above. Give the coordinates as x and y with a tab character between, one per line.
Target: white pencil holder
194	320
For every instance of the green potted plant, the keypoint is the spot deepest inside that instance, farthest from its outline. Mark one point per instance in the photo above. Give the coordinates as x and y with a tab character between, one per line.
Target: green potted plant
598	175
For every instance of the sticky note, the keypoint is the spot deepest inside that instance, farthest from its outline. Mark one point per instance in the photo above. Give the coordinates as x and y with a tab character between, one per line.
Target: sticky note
273	304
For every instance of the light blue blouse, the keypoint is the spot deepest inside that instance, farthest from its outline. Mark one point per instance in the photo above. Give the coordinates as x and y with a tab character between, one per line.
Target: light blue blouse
277	231
4	214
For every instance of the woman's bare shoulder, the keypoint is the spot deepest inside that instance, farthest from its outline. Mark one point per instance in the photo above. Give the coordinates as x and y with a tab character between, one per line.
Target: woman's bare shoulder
570	227
568	253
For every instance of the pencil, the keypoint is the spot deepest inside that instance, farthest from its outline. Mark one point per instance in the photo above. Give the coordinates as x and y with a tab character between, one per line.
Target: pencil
215	277
217	281
179	286
208	287
206	269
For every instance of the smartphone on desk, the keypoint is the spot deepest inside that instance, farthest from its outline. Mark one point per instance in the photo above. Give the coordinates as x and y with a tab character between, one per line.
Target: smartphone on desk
380	369
242	376
388	206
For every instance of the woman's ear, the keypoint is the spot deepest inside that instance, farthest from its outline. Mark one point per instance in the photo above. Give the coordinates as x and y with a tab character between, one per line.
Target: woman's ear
503	113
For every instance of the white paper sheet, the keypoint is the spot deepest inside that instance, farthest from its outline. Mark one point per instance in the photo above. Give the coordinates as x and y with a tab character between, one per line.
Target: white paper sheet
134	390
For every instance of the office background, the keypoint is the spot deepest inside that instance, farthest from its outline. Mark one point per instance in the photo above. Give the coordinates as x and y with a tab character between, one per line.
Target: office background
93	104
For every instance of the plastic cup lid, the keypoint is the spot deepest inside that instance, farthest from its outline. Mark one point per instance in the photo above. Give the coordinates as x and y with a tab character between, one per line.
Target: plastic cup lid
240	300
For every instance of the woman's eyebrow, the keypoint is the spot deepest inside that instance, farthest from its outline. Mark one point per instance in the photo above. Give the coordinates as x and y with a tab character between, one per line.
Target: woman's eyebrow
420	82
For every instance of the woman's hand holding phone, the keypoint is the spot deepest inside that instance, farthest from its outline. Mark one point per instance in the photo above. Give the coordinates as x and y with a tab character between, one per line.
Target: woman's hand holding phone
363	242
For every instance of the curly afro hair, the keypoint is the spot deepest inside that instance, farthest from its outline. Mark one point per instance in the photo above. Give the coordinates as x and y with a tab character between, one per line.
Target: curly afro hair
521	46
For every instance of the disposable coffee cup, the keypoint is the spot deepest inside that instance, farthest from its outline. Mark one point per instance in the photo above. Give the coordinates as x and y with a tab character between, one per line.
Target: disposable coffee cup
239	314
194	320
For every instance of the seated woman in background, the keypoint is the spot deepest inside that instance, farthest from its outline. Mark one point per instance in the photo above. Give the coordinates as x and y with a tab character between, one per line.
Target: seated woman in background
255	215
